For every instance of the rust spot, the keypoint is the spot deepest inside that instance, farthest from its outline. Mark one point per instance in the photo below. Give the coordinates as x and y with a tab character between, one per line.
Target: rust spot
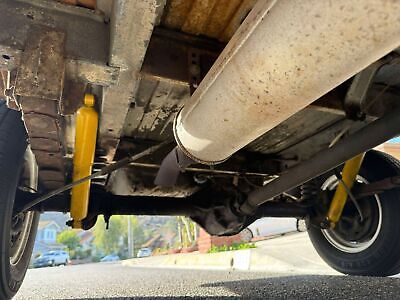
84	3
218	19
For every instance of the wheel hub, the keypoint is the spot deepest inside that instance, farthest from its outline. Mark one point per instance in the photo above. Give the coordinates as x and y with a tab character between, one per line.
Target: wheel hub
19	235
351	234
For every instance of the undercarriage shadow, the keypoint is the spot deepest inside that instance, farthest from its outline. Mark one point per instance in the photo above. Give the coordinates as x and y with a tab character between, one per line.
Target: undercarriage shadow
300	287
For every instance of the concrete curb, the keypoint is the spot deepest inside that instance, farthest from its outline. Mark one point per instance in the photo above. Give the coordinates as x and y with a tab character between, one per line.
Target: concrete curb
276	255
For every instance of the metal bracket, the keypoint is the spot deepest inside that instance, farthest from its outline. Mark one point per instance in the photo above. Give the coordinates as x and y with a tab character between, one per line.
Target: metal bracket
355	102
41	72
39	87
376	187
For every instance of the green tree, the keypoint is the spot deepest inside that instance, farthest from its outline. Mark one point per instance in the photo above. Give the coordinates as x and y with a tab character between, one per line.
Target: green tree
138	232
109	241
188	231
115	239
69	238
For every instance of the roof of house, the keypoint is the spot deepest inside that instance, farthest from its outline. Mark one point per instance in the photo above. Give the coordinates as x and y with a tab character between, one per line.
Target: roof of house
57	217
45	224
85	237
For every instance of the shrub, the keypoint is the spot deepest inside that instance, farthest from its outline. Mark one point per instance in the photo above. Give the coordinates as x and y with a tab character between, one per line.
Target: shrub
233	247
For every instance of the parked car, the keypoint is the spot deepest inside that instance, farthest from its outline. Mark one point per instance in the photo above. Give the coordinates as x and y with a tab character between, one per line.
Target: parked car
51	259
111	257
144	252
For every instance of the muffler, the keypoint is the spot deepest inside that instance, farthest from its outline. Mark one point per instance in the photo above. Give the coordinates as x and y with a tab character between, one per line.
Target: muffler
284	56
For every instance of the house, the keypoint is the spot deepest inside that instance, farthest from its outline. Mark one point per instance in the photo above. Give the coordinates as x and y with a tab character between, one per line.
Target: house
86	240
46	237
60	218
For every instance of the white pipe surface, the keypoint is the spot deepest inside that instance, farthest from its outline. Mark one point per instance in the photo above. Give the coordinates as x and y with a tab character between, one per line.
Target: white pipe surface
285	55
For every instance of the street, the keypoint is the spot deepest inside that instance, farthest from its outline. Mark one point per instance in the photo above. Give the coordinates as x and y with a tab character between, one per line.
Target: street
115	281
124	281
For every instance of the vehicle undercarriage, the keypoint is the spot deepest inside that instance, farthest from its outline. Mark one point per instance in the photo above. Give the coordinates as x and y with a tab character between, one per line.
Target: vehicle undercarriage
222	111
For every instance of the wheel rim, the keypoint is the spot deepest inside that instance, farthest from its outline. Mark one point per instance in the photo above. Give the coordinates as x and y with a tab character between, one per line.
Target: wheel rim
350	234
20	232
21	224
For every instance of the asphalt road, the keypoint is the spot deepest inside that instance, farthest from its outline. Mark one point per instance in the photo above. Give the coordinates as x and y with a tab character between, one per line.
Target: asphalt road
115	281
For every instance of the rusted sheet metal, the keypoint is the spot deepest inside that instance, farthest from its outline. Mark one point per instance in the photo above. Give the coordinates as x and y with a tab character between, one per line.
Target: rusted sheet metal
42	126
156	105
306	148
73	94
32	105
176	13
237	19
75	69
169	55
297	128
221	16
217	19
140	181
39	85
45	144
87	35
132	24
92	72
41	71
9	57
84	3
49	160
197	19
166	58
52	179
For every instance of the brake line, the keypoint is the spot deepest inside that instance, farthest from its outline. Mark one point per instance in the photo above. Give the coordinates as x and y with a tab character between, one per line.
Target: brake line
104	171
350	194
343	190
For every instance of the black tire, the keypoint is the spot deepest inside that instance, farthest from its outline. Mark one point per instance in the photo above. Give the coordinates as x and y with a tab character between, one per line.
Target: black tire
13	142
382	256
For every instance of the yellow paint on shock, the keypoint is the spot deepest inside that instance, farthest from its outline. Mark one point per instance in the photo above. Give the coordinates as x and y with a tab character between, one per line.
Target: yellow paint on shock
85	146
349	175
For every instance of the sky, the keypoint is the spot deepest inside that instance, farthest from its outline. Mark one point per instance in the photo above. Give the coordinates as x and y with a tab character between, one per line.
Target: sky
395	140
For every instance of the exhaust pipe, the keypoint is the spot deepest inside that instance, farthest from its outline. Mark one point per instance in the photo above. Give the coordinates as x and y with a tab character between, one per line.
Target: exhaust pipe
284	56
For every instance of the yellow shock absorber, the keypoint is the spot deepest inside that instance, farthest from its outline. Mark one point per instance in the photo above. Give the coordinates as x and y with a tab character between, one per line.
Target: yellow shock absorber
349	175
85	146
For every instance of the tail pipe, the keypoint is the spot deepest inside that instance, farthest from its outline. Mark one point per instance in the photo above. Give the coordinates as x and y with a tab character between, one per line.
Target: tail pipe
284	56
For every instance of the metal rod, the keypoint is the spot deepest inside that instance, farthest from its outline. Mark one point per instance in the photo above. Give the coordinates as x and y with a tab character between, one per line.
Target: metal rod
202	170
376	187
107	203
366	138
106	170
110	204
281	210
